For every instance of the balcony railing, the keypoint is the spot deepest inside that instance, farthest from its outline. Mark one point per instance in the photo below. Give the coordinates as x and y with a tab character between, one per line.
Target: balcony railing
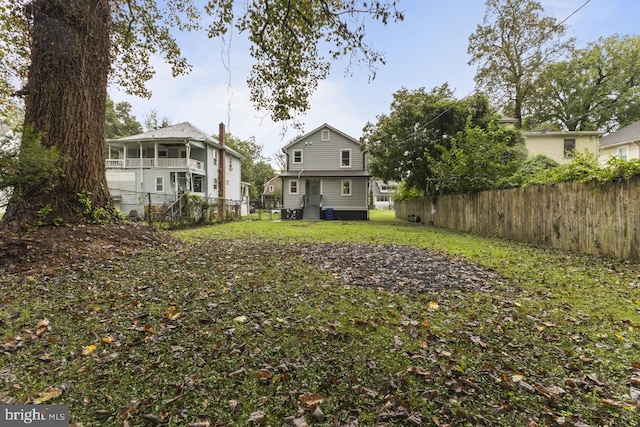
162	163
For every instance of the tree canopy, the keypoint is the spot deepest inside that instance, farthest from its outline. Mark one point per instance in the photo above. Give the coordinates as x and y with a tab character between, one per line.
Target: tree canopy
440	145
511	47
596	88
119	121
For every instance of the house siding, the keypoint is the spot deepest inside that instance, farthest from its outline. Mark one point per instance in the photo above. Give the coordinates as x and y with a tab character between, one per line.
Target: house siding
324	155
551	144
332	194
233	192
633	152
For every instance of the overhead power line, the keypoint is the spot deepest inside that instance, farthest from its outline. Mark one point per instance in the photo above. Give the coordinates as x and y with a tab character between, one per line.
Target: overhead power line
422	128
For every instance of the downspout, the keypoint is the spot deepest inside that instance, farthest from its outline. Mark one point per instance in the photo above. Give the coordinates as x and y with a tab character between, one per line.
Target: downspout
222	169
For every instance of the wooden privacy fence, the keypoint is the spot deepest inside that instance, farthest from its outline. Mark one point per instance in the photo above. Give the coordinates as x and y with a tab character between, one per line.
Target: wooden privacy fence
592	218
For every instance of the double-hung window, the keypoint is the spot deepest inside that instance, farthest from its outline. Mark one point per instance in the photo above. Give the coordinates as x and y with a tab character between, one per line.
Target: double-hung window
346	187
345	158
160	184
297	157
569	147
293	186
623	153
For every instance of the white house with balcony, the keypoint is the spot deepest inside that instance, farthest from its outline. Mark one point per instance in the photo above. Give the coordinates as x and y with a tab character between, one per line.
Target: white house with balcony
157	167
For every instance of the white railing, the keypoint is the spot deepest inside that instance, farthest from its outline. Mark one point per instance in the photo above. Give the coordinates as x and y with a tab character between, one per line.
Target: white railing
115	163
155	163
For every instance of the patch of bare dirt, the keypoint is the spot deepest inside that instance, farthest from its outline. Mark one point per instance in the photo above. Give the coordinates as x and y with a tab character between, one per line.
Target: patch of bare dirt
44	249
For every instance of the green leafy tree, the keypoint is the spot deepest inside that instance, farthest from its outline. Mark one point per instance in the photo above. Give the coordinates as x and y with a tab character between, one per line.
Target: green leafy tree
531	167
25	166
405	192
255	167
71	48
479	158
597	88
407	143
511	47
119	121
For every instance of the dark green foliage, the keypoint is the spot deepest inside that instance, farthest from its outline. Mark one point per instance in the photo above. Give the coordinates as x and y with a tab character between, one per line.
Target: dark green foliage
28	166
119	121
585	168
478	159
442	145
532	166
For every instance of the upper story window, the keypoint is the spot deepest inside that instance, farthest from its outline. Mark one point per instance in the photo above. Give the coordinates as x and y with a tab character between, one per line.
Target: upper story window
163	152
297	156
215	158
569	147
271	189
230	164
623	153
325	135
345	158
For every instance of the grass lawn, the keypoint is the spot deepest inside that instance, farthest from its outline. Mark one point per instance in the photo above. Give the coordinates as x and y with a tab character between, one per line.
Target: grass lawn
234	327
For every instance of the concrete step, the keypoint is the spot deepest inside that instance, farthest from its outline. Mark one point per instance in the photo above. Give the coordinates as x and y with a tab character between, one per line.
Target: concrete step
311	214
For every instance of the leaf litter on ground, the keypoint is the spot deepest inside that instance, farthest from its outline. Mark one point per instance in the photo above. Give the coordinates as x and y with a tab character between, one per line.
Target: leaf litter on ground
234	332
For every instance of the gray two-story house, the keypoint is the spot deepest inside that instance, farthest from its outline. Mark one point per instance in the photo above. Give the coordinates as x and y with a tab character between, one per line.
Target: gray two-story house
326	177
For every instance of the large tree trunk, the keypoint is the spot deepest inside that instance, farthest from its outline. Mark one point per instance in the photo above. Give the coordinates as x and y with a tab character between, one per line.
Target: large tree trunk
65	99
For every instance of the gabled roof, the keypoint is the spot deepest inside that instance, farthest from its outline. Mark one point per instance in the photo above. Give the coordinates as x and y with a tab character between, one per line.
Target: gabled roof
275	181
181	131
626	134
325	125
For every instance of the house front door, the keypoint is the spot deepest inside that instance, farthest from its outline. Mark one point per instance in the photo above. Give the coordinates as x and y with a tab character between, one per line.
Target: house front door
313	192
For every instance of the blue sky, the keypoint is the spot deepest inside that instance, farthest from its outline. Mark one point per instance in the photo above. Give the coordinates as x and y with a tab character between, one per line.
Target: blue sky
426	50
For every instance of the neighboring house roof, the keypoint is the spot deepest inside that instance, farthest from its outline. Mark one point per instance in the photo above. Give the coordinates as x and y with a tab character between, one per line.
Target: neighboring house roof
378	183
275	182
298	139
181	131
624	135
562	133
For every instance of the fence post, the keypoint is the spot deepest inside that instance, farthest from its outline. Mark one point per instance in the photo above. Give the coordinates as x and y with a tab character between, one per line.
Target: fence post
149	209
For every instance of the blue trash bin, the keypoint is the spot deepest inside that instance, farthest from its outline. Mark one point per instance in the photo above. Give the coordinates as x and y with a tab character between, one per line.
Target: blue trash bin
328	214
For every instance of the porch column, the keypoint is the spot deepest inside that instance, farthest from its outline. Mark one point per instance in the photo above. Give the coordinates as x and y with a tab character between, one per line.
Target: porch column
141	170
188	174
